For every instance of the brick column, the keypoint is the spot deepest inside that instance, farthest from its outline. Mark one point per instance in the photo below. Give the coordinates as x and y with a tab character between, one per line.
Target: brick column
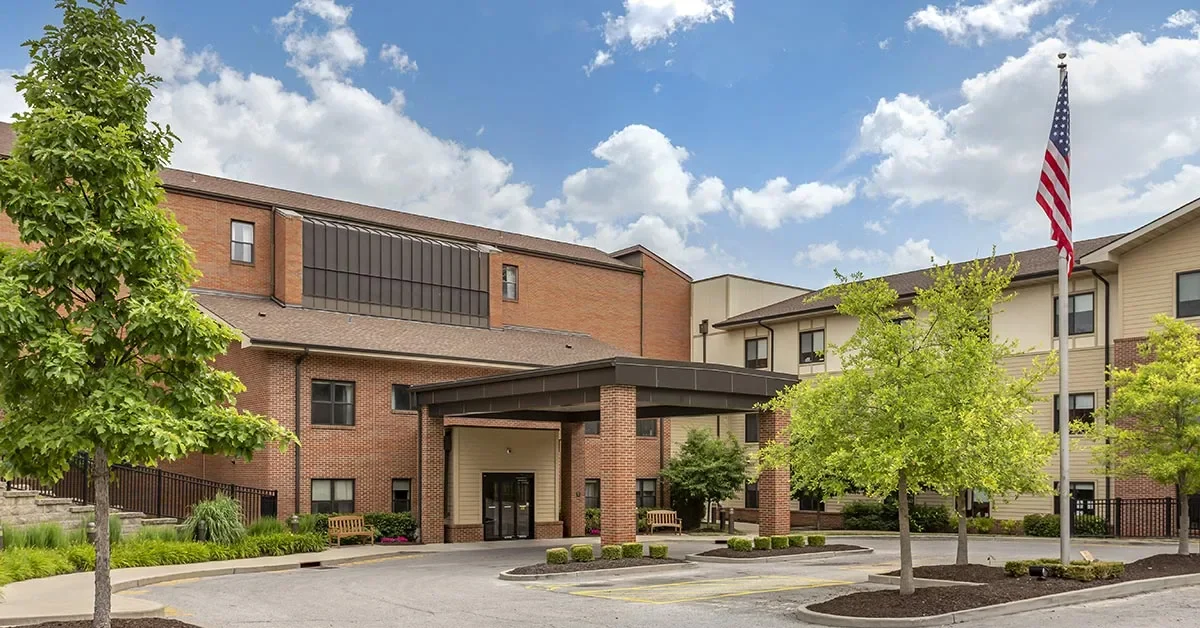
572	480
433	467
618	429
289	257
774	485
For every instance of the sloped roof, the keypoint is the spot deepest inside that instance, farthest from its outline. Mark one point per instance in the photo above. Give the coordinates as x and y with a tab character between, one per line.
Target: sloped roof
1108	253
263	321
185	181
1032	263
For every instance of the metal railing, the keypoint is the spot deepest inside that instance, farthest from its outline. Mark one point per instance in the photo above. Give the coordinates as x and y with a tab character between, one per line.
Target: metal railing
1144	518
152	491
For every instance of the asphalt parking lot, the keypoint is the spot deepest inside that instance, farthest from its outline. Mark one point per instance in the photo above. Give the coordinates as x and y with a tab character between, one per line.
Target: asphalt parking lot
460	588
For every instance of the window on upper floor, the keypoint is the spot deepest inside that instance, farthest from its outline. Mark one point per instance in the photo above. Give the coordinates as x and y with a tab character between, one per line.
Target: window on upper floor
401	400
332	402
241	242
647	427
1187	294
1082	408
756	353
812	346
752	427
508	279
1081	314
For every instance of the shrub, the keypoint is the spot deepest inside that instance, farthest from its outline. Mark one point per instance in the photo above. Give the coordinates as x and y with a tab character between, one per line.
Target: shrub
282	544
796	540
816	540
591	519
392	524
223	516
26	563
153	553
642	524
610	552
82	557
157	533
1041	525
980	525
658	551
266	525
40	536
779	542
1108	570
762	542
740	544
923	518
1010	526
115	529
1082	573
869	516
582	553
1090	525
557	556
632	550
314	523
1017	568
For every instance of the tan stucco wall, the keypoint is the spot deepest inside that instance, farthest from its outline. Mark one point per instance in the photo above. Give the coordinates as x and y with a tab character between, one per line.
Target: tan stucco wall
1148	277
719	298
475	451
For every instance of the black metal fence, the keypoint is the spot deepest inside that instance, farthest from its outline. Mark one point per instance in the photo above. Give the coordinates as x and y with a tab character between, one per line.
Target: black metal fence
152	491
1117	517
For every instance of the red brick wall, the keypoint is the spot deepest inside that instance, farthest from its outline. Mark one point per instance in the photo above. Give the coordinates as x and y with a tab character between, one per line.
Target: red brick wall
206	225
618	417
1125	355
668	305
289	258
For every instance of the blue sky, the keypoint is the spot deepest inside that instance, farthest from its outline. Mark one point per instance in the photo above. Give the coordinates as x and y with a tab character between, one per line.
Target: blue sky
777	139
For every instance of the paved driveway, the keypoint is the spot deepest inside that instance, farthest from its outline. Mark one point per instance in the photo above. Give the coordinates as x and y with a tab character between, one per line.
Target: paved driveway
460	588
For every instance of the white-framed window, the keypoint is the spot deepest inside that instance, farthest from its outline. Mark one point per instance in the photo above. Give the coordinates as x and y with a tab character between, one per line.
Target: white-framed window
1187	294
333	496
508	281
241	241
756	353
1082	407
1081	314
812	346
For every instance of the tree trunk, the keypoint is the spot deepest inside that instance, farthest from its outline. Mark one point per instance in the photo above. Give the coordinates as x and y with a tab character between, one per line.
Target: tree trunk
102	613
1185	523
906	562
961	557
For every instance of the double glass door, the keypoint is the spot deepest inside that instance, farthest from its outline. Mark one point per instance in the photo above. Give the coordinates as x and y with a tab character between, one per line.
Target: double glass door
507	506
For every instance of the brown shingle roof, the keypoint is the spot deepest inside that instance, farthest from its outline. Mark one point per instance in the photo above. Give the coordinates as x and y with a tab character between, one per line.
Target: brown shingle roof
195	182
1033	263
264	321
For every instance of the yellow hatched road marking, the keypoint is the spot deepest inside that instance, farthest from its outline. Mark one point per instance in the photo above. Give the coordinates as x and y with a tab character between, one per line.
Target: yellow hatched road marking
372	561
698	590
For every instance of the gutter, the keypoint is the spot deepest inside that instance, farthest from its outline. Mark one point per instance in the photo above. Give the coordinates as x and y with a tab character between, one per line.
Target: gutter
1107	366
299	360
770	345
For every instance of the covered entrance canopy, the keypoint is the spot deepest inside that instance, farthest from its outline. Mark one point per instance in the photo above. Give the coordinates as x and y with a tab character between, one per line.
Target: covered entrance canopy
616	392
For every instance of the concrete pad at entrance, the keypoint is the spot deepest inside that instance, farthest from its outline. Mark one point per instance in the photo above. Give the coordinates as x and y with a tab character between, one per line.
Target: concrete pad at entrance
707	589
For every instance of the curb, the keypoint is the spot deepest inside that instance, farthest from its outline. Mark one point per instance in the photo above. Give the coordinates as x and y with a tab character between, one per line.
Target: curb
1094	594
778	559
894	581
592	573
849	534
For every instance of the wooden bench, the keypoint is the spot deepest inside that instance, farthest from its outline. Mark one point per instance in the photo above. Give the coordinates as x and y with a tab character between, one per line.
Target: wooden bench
349	525
663	519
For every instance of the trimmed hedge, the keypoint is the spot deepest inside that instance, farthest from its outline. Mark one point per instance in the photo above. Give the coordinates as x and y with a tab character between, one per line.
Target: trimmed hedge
1090	525
1011	526
1077	570
582	553
591	519
658	551
610	552
740	544
816	540
557	556
779	542
392	524
796	540
762	542
1041	525
632	550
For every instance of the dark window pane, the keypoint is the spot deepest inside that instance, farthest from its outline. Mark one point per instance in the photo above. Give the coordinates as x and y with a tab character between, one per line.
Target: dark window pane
322	413
591	427
400	397
647	427
1187	295
752	427
756	353
812	346
751	495
591	493
321	391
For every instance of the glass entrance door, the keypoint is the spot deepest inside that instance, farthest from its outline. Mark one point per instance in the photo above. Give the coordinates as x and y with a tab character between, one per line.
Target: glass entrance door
507	506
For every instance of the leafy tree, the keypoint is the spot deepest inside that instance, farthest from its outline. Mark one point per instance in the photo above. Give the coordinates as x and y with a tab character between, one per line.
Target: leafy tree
921	402
707	469
1152	423
103	348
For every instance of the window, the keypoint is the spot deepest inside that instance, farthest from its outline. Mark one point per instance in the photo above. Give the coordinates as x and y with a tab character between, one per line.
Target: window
1187	294
1081	317
591	427
751	495
400	397
332	403
901	319
756	353
809	500
401	495
241	242
333	496
812	346
591	493
1084	496
647	427
508	280
752	427
646	495
1082	408
981	503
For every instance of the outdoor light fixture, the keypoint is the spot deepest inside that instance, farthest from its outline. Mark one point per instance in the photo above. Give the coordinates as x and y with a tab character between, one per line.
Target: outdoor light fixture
704	327
294	522
91	532
1039	571
1	539
202	530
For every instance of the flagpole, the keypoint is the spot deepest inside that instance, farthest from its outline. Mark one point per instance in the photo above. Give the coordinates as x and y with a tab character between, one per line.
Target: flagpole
1064	390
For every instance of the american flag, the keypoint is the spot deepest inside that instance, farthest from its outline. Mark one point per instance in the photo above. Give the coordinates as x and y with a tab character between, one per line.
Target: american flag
1054	188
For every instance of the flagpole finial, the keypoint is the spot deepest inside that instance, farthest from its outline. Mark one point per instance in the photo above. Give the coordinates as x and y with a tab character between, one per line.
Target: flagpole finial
1062	59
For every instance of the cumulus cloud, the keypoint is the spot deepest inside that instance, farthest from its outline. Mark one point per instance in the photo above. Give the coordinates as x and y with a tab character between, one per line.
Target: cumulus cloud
394	56
960	23
10	101
1184	18
910	255
778	201
875	226
884	44
603	58
647	22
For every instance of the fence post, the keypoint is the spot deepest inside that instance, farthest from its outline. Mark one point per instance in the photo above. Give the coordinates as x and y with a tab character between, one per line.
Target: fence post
1169	500
1117	516
158	493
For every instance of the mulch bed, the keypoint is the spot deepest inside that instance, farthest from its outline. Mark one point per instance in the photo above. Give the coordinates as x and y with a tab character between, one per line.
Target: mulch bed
998	590
153	622
725	552
595	565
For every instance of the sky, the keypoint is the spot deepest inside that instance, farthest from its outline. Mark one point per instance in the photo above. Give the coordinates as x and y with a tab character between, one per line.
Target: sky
779	139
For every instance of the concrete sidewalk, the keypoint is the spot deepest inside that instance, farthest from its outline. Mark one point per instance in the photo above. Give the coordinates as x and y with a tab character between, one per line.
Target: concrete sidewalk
70	597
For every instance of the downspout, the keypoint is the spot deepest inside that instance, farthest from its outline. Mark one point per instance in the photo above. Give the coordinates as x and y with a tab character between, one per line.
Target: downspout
661	462
1107	365
642	313
273	255
421	475
704	340
770	346
296	410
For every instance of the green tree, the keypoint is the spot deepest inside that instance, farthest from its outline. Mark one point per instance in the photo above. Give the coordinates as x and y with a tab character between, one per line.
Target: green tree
921	401
707	469
102	345
1152	423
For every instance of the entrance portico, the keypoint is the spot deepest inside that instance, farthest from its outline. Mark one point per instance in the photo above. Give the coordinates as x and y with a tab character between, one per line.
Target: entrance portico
616	392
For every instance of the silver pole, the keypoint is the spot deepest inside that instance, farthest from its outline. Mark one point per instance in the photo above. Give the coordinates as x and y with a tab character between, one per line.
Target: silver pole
1064	393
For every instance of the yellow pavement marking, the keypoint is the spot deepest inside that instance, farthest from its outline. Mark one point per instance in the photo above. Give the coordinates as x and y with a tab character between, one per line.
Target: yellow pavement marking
872	568
171	611
135	592
371	561
698	590
171	583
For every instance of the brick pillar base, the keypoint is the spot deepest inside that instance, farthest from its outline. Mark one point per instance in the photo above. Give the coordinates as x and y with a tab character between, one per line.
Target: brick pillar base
433	466
572	480
618	429
774	485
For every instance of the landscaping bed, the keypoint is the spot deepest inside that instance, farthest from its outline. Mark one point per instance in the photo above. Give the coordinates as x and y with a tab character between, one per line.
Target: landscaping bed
725	552
1000	588
595	565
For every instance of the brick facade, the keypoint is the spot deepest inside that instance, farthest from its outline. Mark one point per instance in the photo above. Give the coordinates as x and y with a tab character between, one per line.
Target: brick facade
774	485
574	473
1125	355
618	425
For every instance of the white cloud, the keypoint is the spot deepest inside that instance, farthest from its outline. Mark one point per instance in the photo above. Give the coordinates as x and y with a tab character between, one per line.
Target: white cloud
876	226
657	87
910	255
480	130
884	44
1129	141
1005	19
647	22
777	201
1184	18
323	54
394	56
10	101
